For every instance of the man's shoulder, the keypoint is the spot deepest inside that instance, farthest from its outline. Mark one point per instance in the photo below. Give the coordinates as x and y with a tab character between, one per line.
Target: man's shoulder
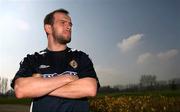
35	55
77	52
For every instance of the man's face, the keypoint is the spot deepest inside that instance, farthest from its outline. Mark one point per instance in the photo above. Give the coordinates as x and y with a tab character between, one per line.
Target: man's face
61	28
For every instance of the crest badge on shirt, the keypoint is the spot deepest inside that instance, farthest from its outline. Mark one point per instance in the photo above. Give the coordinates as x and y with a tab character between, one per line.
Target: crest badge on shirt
73	64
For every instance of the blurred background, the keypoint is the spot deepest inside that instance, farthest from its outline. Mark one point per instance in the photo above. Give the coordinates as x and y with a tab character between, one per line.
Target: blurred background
134	44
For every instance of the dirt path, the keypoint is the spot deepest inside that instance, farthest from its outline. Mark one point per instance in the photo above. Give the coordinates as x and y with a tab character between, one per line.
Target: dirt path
14	108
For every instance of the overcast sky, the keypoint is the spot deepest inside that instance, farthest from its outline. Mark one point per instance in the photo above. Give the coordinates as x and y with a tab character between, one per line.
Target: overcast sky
124	38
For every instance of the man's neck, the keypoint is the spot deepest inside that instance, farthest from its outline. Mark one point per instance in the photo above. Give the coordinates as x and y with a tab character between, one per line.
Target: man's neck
57	47
54	45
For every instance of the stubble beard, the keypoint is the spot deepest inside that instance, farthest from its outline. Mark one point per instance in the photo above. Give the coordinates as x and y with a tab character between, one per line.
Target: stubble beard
61	39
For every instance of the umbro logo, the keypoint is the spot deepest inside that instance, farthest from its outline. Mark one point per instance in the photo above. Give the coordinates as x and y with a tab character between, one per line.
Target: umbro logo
44	66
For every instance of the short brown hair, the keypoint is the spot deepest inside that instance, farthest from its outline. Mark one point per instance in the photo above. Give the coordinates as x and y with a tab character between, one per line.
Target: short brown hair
49	19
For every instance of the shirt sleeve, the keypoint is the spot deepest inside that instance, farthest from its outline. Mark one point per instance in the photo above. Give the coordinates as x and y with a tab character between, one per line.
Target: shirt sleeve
86	68
25	69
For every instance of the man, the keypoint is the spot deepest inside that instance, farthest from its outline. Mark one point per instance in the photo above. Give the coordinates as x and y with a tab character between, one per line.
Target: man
58	79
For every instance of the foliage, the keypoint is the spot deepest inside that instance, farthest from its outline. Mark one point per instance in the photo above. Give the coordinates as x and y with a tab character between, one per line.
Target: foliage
136	103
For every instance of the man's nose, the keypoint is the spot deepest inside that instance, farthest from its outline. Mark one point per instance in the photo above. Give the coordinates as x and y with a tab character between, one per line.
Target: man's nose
68	26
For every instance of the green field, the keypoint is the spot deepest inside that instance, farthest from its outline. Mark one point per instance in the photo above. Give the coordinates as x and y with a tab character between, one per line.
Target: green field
148	101
167	93
13	100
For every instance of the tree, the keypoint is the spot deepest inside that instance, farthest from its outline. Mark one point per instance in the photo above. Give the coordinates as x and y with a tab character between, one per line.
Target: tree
148	80
3	85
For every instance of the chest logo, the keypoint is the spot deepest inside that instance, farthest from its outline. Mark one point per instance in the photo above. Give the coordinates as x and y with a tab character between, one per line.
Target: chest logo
73	64
44	66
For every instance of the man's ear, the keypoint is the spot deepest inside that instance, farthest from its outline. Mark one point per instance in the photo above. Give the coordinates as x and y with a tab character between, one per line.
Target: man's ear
48	28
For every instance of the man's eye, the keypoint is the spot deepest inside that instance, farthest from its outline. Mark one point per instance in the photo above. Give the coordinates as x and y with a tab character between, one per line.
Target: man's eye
65	22
70	24
62	22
